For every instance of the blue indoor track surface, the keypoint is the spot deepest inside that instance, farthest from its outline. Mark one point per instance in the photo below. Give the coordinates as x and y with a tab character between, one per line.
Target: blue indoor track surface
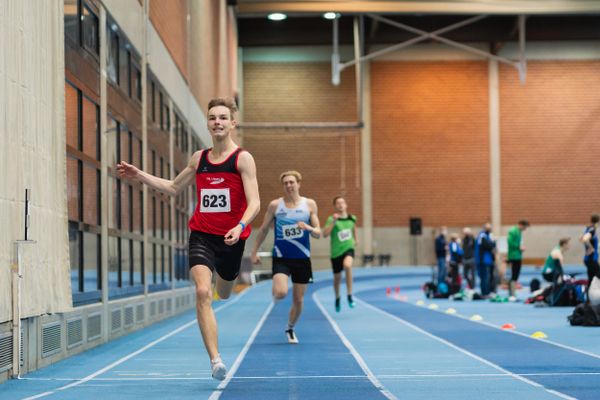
394	344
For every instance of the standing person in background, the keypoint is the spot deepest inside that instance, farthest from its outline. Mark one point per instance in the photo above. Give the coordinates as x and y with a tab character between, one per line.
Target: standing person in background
485	247
342	228
468	246
515	254
456	256
441	251
228	201
295	219
590	243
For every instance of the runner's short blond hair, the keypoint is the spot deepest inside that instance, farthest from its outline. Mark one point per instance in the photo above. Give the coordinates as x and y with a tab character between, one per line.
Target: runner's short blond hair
295	174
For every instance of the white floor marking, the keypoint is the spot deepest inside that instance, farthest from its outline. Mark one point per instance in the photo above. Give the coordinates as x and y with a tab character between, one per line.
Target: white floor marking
219	390
135	353
466	352
358	377
355	354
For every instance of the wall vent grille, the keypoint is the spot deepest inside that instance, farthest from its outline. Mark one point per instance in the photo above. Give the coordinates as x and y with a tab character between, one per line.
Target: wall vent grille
51	339
139	313
6	351
94	326
128	316
115	320
74	332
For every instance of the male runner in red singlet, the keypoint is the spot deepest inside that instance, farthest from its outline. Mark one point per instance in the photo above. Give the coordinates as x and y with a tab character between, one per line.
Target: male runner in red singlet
228	201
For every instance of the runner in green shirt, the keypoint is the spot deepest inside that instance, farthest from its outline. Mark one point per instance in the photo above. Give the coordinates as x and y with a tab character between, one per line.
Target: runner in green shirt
515	253
342	228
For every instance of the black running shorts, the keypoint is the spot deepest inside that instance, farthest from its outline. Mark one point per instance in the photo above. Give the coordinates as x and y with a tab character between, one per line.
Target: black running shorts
299	268
211	250
338	263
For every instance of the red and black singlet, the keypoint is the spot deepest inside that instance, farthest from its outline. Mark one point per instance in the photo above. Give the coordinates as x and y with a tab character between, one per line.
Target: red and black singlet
221	196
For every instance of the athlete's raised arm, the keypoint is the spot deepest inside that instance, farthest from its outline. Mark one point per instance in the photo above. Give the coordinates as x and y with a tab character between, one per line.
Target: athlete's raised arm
167	186
330	224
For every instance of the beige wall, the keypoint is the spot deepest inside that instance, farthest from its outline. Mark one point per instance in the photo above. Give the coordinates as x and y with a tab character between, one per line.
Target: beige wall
32	154
213	55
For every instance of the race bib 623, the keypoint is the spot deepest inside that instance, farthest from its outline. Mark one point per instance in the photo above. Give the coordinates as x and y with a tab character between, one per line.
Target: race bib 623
215	200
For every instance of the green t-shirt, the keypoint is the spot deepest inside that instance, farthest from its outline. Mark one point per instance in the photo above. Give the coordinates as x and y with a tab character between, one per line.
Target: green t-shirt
550	263
342	235
514	244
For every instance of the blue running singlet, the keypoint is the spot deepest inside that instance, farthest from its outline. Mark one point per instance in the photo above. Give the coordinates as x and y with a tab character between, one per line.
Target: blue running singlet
290	240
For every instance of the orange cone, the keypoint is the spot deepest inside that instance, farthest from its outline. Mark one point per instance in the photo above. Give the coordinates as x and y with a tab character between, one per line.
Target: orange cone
508	326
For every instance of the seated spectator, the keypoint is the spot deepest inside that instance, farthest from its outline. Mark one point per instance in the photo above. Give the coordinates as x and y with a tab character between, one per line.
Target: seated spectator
552	270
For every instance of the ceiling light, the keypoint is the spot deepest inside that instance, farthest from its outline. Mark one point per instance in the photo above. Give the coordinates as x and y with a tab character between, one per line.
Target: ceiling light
277	16
331	15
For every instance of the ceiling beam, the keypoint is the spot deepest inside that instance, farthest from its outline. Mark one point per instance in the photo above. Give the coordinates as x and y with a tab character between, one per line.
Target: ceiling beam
464	7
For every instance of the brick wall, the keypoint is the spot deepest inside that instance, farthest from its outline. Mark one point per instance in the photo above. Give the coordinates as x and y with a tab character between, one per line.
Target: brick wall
327	162
430	143
328	159
170	21
292	92
550	142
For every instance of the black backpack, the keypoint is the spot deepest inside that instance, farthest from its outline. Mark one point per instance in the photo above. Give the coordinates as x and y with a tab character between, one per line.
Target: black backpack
534	285
585	315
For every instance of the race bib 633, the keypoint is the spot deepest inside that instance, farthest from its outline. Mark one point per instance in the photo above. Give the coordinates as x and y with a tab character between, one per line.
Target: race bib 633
291	232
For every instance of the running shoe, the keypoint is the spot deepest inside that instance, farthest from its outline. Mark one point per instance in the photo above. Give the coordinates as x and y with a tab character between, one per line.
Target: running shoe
291	336
338	305
351	302
219	370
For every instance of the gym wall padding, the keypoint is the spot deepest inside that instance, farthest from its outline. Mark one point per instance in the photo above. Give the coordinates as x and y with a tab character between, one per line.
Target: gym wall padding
32	155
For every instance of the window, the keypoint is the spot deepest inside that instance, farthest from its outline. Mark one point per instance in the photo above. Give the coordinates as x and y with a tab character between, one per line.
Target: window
125	67
161	112
167	114
71	20
112	59
89	30
83	194
153	101
177	123
136	77
90	128
126	250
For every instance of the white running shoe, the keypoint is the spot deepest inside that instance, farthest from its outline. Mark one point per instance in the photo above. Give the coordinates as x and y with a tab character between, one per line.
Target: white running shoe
291	335
219	370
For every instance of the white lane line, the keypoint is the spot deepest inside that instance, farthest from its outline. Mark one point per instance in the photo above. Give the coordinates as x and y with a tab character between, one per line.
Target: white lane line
466	352
363	365
311	377
563	346
39	396
219	390
135	353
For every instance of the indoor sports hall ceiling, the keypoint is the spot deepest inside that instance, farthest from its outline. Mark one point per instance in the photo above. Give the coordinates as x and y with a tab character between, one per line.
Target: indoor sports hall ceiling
547	20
